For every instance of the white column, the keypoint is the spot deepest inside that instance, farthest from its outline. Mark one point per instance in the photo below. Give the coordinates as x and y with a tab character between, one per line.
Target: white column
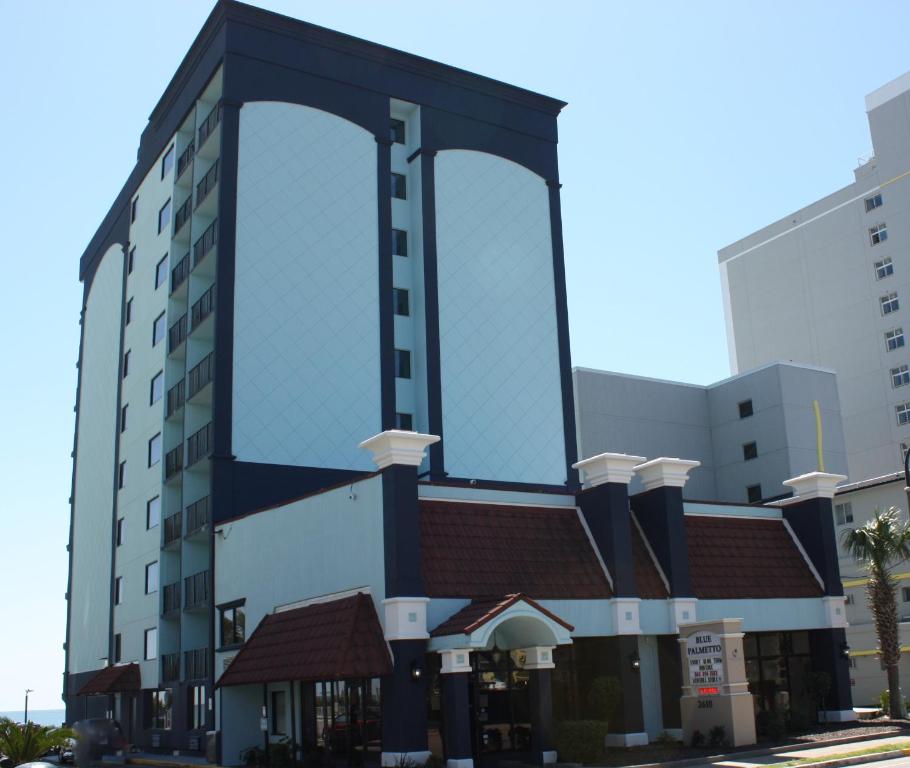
398	446
607	468
672	473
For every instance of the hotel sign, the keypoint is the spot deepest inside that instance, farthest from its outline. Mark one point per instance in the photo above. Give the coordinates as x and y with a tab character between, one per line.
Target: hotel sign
704	653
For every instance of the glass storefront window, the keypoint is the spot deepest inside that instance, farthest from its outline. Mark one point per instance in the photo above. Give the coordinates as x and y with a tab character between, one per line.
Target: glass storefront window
502	704
776	667
348	718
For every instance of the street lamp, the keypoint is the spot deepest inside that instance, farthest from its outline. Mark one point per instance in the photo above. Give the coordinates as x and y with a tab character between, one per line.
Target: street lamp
27	692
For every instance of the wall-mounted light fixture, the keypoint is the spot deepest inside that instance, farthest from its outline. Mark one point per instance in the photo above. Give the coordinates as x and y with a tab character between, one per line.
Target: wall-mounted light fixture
416	671
844	650
635	661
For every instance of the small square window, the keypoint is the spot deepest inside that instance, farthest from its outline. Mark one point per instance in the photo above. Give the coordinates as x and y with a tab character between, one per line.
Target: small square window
843	513
402	304
118	590
745	409
399	186
129	312
155	450
404	421
151	578
750	451
753	493
164	217
849	599
159	330
126	364
152	512
873	202
883	268
878	234
402	364
134	209
399	242
396	131
150	646
119	531
903	414
130	260
233	625
157	388
123	413
118	648
167	162
905	594
889	303
161	272
900	376
121	474
894	339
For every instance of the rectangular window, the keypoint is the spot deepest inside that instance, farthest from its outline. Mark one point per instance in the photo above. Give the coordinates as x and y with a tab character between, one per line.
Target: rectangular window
161	272
129	312
118	590
903	414
399	242
150	646
404	421
159	330
883	268
396	131
118	648
151	578
894	339
130	260
158	708
889	303
402	364
196	707
155	450
402	304
399	186
750	451
164	216
167	162
900	376
849	599
121	474
152	512
233	625
905	594
279	713
126	364
873	202
843	513
134	208
123	413
745	409
119	531
878	234
157	388
753	493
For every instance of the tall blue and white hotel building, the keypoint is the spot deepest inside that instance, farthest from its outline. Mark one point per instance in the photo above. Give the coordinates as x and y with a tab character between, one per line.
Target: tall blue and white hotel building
325	482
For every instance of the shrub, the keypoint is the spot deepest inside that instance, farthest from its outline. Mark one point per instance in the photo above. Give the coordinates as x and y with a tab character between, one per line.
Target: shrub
604	695
717	737
771	725
580	741
698	739
885	701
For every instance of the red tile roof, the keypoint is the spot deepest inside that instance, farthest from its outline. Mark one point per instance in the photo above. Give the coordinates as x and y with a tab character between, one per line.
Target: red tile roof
334	640
648	583
479	612
742	558
119	678
488	550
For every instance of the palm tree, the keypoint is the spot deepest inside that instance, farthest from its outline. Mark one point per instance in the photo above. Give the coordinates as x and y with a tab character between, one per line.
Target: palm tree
879	545
24	743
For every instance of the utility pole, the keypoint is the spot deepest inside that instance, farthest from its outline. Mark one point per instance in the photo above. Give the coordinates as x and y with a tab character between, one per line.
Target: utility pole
27	692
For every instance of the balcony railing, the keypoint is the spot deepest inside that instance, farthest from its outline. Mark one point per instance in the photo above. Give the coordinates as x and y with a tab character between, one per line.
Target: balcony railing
209	124
195	663
175	398
203	307
173	462
207	184
184	212
186	159
176	334
170	667
173	529
196	590
197	515
199	444
180	272
205	243
200	374
170	599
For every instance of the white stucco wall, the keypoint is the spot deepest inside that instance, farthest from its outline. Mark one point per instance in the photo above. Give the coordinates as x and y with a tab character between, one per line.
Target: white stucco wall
306	322
92	514
501	396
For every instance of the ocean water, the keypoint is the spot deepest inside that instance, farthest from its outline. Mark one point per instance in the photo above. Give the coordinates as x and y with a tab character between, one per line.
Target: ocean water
39	716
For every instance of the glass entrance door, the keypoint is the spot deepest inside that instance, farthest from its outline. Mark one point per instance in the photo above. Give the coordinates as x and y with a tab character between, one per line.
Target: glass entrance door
502	707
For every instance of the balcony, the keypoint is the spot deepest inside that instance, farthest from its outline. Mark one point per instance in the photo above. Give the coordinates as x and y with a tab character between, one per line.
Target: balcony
175	398
202	308
173	529
200	375
207	184
180	273
185	160
199	444
176	335
173	462
209	124
170	600
196	663
170	667
197	516
196	591
205	243
184	212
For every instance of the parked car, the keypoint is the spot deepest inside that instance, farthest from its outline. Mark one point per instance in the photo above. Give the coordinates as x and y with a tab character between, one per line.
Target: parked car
96	737
67	753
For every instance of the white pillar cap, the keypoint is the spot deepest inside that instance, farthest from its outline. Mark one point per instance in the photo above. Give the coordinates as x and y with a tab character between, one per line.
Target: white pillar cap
815	485
672	473
608	468
399	446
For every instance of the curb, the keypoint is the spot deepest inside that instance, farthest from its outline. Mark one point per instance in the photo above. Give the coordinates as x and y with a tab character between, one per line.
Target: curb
874	757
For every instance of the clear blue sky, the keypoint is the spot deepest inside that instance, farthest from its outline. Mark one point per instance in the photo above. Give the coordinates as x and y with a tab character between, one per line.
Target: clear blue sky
689	125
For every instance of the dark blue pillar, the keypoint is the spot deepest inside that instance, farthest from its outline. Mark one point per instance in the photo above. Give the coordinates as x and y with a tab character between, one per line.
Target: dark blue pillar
456	718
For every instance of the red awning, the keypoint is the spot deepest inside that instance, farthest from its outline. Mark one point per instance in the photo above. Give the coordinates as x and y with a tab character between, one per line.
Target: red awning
334	640
120	678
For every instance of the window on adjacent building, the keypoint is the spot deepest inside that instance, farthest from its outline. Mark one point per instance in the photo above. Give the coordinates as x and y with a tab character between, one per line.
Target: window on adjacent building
396	131
155	450
402	305
118	590
279	713
123	413
167	162
900	376
233	624
159	330
126	364
164	216
130	259
153	512
399	242
161	272
150	646
878	234
889	303
843	513
119	531
151	578
905	594
157	388
753	493
399	186
134	209
121	474
849	599
883	268
903	414
402	364
750	451
118	648
873	202
894	339
158	705
745	409
195	707
404	421
129	312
